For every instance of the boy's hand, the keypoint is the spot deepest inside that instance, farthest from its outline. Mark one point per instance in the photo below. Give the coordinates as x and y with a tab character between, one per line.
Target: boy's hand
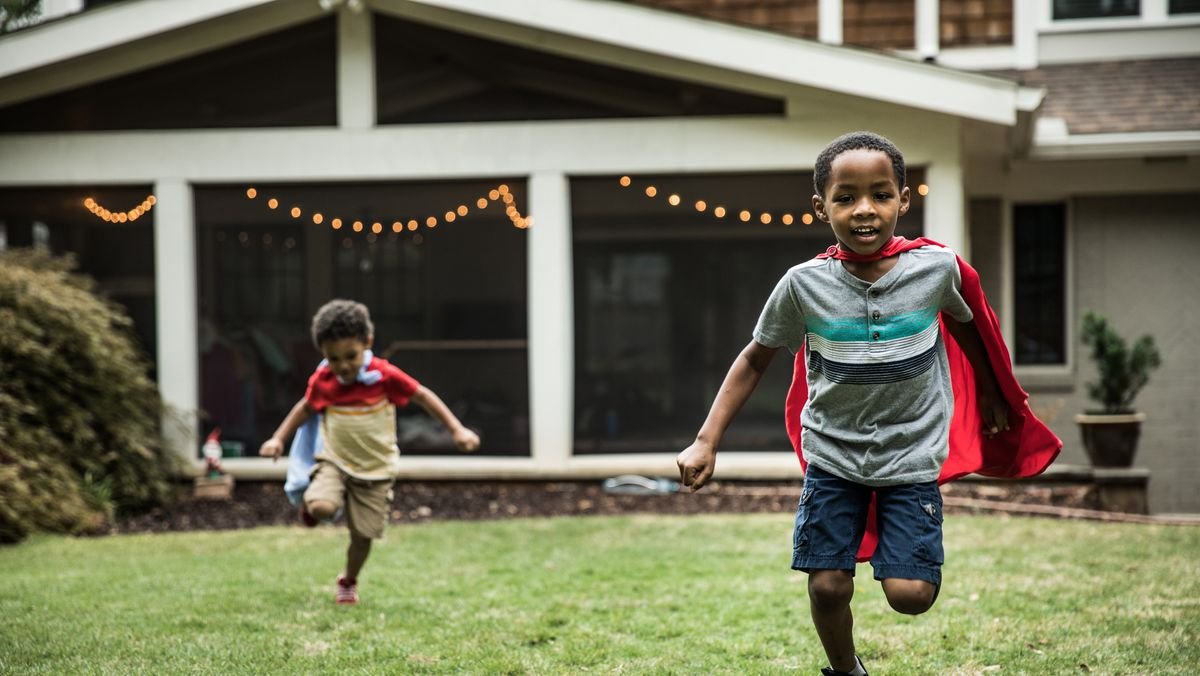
994	411
271	448
466	440
696	464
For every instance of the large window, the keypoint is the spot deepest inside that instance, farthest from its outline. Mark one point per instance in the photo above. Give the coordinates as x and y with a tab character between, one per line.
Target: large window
666	297
119	256
448	302
1091	9
1039	250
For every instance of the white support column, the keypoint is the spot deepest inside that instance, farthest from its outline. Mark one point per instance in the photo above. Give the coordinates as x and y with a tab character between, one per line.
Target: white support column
928	39
355	69
53	9
1025	33
829	21
175	308
945	205
551	322
1154	11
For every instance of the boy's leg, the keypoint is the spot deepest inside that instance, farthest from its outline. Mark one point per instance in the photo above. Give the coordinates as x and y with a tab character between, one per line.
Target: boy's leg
367	505
830	521
326	492
909	557
829	594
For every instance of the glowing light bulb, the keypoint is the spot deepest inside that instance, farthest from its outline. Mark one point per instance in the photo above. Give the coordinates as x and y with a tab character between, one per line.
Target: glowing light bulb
251	193
152	200
397	226
744	216
295	212
318	218
493	195
449	216
673	200
431	222
502	189
651	191
806	219
787	219
412	224
272	203
336	223
358	226
377	227
922	190
462	210
701	205
719	212
625	181
765	218
481	203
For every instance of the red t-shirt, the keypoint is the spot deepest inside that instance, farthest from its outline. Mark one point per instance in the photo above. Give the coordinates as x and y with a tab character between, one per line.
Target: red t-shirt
396	386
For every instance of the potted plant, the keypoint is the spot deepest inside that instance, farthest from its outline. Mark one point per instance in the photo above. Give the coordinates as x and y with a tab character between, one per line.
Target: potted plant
1110	435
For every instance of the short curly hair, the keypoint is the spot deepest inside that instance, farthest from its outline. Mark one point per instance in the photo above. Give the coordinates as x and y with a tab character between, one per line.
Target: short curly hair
339	319
854	141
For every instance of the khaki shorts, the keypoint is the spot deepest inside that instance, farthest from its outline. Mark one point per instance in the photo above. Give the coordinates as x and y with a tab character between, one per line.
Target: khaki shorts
366	502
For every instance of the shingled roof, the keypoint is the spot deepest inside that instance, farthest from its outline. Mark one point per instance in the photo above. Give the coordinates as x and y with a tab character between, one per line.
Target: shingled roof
1119	96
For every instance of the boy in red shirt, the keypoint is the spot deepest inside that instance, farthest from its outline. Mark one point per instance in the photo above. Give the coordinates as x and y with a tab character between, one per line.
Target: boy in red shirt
356	395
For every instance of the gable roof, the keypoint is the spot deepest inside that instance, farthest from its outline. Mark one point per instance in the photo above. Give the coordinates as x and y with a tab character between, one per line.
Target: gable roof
124	37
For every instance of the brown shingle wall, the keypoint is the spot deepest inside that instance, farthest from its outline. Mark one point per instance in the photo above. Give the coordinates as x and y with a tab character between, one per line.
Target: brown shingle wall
975	22
794	17
1120	96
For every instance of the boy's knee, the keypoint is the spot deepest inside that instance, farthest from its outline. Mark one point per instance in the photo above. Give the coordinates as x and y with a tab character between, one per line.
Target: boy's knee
911	597
830	589
322	509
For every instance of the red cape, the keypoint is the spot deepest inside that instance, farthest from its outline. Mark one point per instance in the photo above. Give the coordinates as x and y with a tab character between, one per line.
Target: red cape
1026	449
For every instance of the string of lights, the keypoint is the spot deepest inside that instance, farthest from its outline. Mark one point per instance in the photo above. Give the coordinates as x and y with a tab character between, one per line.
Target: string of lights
106	214
500	193
720	211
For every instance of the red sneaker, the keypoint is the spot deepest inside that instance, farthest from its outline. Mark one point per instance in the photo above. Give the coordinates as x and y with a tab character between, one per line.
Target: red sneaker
347	591
307	519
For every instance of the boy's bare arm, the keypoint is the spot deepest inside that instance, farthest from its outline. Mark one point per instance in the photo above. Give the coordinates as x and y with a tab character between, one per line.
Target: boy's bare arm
697	462
273	447
992	405
464	438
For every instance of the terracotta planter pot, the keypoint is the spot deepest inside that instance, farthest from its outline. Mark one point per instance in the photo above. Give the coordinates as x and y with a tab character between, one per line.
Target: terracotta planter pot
1110	440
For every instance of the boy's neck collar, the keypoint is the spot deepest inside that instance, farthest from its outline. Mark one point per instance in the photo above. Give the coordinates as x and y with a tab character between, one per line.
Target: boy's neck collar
895	245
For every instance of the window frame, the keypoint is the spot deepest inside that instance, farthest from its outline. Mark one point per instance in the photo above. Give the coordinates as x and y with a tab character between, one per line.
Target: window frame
1040	375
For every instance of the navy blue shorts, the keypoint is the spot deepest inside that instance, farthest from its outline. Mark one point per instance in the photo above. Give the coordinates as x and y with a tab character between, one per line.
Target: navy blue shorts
832	517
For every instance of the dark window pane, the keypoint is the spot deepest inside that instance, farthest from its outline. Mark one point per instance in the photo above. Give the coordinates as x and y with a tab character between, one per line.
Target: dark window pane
666	297
426	74
448	303
1089	9
119	256
1183	7
1039	250
285	79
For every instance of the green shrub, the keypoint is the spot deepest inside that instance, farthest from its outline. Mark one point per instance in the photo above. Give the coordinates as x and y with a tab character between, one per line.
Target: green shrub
1123	371
79	416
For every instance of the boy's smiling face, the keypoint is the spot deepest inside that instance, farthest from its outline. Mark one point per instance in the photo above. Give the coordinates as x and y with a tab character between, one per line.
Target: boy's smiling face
862	200
345	356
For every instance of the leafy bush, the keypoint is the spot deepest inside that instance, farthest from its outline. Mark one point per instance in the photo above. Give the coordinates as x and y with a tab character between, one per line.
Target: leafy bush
79	416
1123	372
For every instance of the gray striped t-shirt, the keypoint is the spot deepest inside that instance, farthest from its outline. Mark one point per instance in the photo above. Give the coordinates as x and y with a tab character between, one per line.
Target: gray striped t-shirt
879	394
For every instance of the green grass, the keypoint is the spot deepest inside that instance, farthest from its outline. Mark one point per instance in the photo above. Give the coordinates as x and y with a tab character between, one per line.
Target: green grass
644	594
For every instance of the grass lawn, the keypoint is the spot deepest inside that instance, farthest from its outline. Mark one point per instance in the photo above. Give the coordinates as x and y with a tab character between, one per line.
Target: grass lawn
642	594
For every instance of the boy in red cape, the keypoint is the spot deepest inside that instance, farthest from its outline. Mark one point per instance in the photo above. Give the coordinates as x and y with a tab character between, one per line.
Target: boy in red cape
902	381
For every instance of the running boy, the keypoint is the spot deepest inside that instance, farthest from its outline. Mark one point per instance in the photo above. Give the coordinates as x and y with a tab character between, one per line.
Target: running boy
356	395
876	421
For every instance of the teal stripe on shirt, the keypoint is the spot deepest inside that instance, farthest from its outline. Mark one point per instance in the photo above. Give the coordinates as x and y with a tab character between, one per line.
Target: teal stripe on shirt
847	329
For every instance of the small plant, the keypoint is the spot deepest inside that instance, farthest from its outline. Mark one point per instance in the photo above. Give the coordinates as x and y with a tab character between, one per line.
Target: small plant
1123	372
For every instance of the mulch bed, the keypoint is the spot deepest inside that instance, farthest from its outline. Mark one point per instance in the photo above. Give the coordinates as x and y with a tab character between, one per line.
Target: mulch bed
257	504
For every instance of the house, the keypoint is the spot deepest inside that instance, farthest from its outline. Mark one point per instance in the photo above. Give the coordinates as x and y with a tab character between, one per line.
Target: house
222	167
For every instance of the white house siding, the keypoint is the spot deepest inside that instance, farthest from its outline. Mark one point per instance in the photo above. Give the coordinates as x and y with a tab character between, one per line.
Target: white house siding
1135	262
